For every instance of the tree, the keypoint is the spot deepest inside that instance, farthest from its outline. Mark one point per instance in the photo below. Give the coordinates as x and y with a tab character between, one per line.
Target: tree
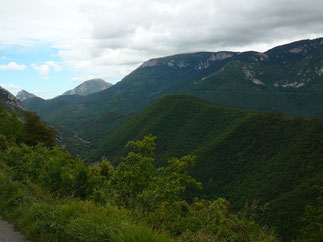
135	172
137	182
36	131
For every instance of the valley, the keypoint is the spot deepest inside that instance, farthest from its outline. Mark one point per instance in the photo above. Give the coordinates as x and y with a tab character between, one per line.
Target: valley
245	127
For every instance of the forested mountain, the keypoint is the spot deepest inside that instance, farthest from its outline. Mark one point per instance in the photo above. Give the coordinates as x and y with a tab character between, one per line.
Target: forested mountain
242	156
88	87
287	79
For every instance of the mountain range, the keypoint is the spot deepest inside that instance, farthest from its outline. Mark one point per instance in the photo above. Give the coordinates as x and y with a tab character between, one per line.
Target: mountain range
286	79
85	88
253	120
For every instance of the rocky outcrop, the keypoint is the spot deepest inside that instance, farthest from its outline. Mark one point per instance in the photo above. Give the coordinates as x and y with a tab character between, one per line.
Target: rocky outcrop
9	101
24	95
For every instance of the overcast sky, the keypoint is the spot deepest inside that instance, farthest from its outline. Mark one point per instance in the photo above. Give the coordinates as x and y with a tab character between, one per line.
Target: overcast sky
47	47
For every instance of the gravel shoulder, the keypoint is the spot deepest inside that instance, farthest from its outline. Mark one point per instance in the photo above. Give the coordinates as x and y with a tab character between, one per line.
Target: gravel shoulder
8	234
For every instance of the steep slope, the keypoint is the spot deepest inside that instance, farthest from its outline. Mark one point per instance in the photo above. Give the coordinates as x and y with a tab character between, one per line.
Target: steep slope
286	79
88	87
9	101
24	95
243	156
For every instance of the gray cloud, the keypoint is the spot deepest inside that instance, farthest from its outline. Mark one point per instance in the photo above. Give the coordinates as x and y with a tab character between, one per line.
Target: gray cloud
111	38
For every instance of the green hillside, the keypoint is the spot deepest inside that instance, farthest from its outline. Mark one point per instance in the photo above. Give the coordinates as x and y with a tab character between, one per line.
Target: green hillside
243	156
287	79
50	195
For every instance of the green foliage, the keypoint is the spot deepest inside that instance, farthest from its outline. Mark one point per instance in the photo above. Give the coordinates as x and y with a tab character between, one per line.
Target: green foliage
37	131
103	169
172	180
43	218
213	221
137	183
313	219
155	194
3	142
135	172
51	196
11	128
30	131
53	169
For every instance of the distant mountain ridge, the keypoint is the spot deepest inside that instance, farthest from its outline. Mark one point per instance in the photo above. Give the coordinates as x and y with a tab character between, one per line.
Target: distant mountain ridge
287	79
24	95
9	101
88	87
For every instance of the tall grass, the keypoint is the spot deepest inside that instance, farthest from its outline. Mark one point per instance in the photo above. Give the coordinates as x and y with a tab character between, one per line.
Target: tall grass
43	218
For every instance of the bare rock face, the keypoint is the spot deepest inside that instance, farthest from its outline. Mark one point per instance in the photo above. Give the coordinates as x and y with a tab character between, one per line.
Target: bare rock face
9	101
88	87
152	62
24	95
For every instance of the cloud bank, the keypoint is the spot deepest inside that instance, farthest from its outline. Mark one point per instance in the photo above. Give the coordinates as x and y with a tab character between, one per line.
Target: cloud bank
111	38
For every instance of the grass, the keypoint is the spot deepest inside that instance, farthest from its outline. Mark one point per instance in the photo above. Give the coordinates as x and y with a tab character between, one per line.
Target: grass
43	218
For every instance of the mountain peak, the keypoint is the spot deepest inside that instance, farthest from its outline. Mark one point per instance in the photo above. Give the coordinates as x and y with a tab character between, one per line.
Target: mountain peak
99	80
88	87
24	95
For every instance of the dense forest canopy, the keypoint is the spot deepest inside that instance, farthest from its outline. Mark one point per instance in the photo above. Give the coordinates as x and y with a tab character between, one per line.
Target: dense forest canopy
50	195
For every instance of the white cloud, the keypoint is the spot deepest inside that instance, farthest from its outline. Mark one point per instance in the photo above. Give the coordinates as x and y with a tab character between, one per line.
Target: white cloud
54	65
12	66
44	69
10	86
107	39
